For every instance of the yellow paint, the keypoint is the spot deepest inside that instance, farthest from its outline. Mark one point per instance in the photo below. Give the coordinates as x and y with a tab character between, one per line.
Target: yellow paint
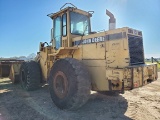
106	60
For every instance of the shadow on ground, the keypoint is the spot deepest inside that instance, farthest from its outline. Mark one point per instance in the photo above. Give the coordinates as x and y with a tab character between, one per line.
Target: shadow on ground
17	104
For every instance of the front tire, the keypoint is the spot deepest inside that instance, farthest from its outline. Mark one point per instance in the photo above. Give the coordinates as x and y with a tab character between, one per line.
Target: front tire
69	84
30	75
108	93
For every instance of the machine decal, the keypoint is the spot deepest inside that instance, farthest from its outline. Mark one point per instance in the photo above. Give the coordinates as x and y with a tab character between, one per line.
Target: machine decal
101	38
90	40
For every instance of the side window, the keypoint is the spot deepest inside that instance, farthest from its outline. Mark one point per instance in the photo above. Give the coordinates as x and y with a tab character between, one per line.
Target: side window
57	31
64	24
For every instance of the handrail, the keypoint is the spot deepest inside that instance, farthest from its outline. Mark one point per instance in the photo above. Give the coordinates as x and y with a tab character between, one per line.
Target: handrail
66	4
154	59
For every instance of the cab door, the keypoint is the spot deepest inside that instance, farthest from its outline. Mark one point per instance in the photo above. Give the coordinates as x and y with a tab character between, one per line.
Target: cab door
57	31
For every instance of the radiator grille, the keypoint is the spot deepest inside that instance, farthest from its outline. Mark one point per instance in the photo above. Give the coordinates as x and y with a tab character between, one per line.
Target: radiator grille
136	50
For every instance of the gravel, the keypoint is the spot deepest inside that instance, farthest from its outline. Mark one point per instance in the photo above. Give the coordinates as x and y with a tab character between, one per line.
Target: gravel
139	104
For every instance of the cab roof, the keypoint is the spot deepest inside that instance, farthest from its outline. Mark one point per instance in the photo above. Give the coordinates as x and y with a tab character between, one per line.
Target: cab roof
74	9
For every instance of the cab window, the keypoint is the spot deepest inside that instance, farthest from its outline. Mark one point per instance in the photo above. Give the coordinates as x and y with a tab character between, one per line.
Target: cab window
79	24
57	31
64	24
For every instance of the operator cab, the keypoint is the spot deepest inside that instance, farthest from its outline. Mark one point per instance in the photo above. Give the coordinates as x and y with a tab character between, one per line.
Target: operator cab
68	23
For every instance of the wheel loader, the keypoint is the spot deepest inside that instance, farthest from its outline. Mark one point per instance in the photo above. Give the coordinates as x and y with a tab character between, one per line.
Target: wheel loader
78	60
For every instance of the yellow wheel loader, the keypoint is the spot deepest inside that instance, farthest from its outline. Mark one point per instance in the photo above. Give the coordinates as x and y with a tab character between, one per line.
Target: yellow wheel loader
78	60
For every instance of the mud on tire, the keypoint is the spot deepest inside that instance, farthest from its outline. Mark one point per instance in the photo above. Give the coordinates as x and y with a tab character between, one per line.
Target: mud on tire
30	75
69	84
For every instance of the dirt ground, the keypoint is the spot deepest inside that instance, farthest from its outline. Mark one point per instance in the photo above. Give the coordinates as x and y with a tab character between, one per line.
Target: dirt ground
139	104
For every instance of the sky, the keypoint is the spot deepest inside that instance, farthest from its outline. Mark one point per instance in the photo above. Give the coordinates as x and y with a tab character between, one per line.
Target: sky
24	23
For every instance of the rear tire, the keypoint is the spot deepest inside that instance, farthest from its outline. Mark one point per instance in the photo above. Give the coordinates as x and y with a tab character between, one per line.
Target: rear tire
30	75
69	84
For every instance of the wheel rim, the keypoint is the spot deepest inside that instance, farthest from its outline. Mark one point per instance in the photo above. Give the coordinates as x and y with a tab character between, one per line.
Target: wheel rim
60	84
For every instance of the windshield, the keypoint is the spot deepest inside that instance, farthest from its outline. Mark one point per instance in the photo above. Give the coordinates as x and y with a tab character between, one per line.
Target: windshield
79	24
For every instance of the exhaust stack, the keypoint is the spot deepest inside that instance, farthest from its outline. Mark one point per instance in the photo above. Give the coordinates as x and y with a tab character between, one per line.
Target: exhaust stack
112	20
